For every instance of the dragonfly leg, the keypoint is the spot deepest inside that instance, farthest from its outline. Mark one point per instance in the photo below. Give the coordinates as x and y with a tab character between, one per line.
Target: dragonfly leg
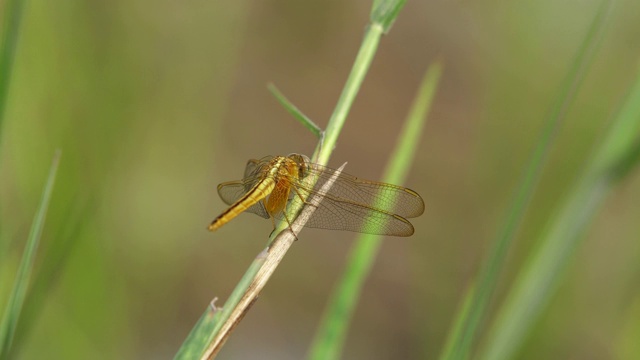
286	218
273	219
302	198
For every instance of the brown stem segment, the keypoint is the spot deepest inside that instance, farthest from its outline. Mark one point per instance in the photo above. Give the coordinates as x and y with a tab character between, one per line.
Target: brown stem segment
273	255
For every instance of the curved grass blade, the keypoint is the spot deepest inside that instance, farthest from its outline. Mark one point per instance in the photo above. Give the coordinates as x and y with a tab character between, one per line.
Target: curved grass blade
48	274
331	334
12	18
538	279
18	294
626	345
464	336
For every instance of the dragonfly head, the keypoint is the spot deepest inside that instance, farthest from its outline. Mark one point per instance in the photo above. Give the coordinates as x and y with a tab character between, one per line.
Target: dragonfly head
302	161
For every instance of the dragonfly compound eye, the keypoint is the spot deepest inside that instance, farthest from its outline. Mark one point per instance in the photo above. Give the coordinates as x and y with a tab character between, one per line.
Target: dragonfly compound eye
303	163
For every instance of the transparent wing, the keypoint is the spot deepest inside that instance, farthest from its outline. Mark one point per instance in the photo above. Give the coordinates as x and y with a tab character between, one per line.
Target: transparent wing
359	205
335	214
252	166
381	196
232	191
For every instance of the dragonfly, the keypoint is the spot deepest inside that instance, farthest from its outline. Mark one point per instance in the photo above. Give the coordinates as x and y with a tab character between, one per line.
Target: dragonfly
272	184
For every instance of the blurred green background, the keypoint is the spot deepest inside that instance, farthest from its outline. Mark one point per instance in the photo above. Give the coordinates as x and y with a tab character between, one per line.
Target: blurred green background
154	103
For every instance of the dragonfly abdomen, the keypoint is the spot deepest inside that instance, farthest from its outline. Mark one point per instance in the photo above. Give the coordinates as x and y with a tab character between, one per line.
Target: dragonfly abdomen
259	192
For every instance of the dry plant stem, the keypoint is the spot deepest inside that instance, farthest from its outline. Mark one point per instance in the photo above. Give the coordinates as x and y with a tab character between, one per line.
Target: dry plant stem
271	256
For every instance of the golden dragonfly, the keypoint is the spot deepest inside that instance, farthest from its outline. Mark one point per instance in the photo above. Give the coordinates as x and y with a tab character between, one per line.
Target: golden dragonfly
272	183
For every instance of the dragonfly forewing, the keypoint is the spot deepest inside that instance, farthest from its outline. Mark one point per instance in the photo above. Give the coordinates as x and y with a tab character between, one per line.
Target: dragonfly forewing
358	205
337	214
385	197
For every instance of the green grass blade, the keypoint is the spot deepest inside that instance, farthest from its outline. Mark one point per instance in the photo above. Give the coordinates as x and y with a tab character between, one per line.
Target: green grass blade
19	291
352	86
211	322
385	12
331	334
620	152
47	277
627	345
464	336
12	18
461	316
537	281
293	110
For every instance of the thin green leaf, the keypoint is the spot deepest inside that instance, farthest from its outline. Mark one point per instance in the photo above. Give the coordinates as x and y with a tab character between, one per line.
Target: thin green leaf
12	18
462	315
331	334
200	336
385	12
352	86
623	149
48	274
19	291
211	322
293	110
464	336
536	283
627	345
628	162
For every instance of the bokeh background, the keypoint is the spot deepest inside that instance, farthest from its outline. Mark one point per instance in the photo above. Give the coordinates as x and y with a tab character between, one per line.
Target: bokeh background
154	103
